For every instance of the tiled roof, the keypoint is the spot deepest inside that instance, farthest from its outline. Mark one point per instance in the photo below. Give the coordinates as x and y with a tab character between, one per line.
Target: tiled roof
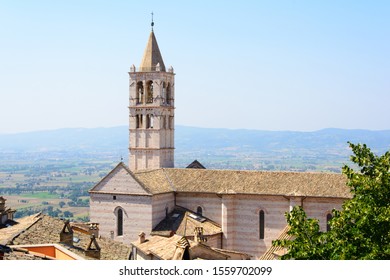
40	252
24	254
275	252
181	221
234	254
165	247
47	230
196	164
155	181
160	247
245	182
18	226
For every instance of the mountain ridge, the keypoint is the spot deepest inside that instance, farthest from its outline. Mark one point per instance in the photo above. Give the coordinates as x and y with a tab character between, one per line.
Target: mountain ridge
325	149
106	137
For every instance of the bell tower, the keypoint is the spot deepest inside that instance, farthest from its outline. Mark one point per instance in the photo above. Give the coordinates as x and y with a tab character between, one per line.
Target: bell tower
151	104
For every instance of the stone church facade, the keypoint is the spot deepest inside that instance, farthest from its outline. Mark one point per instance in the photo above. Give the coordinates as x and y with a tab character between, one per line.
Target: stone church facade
248	207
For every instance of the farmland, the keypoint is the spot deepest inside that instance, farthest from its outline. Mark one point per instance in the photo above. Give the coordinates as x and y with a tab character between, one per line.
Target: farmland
58	188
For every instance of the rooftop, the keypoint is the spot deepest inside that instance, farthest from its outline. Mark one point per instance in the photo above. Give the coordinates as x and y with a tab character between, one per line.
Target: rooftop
43	229
183	222
244	182
174	247
192	180
17	226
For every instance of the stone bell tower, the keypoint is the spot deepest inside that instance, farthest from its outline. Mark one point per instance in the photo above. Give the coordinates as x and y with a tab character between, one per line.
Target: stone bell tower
152	96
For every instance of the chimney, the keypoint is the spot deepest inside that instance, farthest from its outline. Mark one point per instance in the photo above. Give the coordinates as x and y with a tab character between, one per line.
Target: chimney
2	203
4	249
198	235
93	252
141	237
182	250
66	235
94	229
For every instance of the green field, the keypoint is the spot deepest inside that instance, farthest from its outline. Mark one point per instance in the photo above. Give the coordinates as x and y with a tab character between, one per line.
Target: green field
59	189
40	195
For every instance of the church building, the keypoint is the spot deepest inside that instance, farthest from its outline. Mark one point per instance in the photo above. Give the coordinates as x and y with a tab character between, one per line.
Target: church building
237	210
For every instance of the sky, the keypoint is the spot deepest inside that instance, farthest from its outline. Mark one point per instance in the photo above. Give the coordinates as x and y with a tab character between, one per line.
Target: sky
267	65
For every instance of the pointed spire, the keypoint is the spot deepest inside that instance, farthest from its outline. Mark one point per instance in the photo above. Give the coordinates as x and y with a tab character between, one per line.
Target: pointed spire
152	55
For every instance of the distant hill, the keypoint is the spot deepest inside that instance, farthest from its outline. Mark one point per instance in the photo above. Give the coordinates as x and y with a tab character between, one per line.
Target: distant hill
323	150
66	139
215	148
276	140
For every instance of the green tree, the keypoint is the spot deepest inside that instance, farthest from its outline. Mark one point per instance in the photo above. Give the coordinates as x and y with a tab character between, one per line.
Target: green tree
361	230
68	214
61	204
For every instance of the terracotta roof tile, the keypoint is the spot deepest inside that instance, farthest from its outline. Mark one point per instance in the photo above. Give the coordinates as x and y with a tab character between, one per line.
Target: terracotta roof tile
47	230
18	226
161	247
165	247
155	181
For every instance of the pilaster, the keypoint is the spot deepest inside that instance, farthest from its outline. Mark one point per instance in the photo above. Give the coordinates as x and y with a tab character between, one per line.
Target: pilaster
228	217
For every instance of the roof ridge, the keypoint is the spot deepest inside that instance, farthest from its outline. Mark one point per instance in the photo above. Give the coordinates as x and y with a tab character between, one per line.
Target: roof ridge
193	212
39	217
146	171
257	171
135	178
242	170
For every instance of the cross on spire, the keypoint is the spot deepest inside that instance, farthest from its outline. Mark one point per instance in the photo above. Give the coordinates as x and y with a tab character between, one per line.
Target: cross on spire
152	24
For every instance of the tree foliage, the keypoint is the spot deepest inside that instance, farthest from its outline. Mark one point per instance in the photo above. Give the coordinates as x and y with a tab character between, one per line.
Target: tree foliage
361	229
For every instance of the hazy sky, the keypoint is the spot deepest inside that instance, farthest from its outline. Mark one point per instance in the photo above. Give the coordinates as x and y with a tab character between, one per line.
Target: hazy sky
270	65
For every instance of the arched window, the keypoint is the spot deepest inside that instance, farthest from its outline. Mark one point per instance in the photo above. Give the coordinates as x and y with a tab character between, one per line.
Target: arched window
140	93
164	92
138	121
149	96
119	222
199	211
168	94
261	224
151	119
328	218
